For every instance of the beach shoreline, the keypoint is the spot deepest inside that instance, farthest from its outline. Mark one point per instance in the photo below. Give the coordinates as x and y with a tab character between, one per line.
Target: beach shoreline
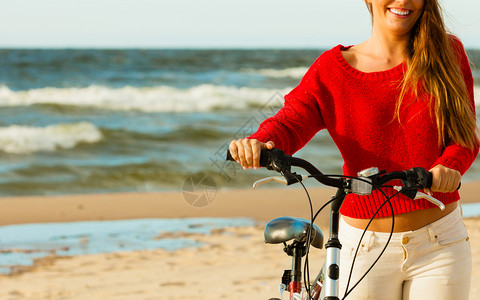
261	204
233	263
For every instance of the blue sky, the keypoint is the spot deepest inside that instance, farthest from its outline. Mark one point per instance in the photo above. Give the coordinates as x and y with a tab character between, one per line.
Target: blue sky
203	23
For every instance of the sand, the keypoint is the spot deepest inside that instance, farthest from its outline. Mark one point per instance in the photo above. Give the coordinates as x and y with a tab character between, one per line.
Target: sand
233	263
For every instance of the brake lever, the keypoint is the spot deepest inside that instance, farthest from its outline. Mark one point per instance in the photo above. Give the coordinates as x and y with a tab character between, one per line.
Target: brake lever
427	197
279	179
431	199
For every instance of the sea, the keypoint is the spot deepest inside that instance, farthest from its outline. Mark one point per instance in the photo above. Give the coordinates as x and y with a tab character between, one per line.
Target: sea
79	121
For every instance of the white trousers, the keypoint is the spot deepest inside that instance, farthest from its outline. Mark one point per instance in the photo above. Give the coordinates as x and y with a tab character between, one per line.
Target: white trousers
433	262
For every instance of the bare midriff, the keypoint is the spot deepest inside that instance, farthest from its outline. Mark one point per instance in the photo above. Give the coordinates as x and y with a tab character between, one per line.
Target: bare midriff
403	222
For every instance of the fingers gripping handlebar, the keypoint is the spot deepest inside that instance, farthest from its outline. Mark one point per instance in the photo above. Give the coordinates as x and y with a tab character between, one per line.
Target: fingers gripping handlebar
417	178
273	159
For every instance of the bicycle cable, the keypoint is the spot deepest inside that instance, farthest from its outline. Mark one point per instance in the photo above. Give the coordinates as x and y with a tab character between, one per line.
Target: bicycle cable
306	267
313	220
306	270
348	291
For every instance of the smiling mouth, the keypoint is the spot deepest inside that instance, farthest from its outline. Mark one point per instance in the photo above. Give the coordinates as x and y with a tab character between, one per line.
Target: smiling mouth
400	12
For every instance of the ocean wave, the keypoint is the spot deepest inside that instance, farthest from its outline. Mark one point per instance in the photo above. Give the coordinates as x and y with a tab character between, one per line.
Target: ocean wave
17	139
297	72
205	97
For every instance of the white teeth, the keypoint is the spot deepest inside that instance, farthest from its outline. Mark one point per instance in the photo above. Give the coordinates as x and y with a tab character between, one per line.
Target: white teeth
400	12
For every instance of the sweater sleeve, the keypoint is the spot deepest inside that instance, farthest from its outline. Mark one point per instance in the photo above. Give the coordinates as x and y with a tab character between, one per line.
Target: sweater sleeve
300	118
454	156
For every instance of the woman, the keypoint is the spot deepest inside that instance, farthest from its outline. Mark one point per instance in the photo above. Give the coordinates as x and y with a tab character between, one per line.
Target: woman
401	99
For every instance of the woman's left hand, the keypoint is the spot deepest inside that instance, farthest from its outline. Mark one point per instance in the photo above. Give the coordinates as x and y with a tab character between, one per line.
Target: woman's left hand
445	180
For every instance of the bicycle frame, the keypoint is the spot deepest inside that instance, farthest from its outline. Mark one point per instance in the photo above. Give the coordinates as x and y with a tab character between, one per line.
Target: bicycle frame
413	180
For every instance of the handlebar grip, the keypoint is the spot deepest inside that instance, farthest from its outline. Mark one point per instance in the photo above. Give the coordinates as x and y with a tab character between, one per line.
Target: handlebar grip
265	157
429	180
229	156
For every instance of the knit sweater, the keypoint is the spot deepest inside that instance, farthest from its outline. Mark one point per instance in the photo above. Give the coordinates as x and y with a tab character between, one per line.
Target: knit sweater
357	109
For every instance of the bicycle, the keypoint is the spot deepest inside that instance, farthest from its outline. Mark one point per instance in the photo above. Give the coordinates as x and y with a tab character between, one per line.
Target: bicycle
303	233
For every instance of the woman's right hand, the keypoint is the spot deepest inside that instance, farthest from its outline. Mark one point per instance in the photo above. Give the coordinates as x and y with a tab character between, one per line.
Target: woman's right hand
247	151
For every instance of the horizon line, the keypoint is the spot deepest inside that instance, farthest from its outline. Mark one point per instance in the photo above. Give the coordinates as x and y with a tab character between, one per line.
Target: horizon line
5	47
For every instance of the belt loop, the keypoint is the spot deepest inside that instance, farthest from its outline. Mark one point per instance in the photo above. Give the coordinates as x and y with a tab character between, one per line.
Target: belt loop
432	235
373	240
367	242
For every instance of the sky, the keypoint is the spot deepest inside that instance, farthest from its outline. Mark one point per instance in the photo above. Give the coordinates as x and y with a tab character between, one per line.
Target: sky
203	23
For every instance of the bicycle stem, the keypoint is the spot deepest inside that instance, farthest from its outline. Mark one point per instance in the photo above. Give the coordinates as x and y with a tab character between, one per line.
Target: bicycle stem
333	246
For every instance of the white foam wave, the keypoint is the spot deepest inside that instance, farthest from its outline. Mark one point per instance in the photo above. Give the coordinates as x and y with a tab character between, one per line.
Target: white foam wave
205	97
147	99
297	72
26	139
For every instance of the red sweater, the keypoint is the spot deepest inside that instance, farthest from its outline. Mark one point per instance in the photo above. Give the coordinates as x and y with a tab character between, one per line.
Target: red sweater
357	109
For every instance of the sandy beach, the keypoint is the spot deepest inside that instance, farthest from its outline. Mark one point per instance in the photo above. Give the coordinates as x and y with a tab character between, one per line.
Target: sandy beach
233	263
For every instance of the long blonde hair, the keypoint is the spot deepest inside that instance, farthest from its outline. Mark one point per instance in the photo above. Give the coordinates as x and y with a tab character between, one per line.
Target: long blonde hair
432	63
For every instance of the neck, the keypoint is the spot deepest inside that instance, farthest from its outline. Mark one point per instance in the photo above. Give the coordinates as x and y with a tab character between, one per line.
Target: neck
391	47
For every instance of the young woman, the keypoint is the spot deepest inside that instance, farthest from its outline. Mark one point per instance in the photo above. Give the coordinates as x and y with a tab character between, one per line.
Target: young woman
401	99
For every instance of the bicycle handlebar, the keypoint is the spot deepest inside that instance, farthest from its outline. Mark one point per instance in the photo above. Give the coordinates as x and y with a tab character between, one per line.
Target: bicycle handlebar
275	159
